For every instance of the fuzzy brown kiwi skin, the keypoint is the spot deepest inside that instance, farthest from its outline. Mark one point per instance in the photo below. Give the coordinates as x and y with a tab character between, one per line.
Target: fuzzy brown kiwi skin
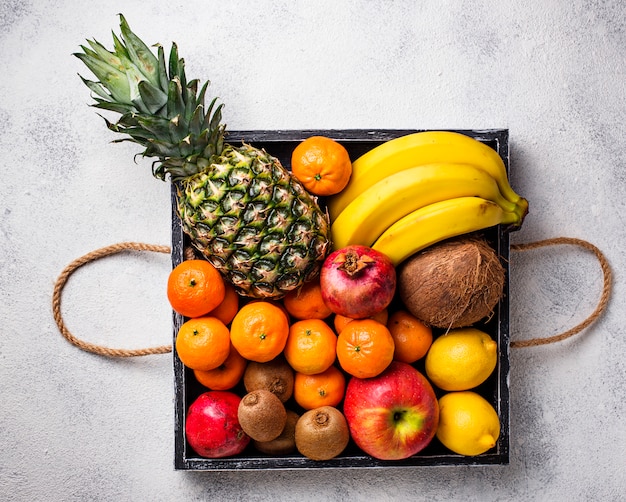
275	375
283	444
322	433
262	415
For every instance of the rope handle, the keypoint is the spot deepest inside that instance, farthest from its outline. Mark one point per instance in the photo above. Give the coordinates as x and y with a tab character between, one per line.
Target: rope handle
75	265
163	349
604	296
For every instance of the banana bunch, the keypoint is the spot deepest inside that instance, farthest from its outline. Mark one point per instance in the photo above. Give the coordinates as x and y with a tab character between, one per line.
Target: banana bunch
419	189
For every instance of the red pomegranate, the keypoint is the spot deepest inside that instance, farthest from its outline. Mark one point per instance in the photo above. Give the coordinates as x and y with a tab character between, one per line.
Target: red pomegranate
357	281
212	427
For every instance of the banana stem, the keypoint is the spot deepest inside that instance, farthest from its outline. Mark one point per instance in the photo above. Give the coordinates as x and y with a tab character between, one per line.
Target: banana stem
521	210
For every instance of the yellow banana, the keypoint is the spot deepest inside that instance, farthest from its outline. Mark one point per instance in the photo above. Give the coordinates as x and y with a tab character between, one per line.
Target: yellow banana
416	149
439	221
397	195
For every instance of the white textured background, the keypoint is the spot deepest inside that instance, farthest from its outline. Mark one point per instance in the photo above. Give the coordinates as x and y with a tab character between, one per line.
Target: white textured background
75	427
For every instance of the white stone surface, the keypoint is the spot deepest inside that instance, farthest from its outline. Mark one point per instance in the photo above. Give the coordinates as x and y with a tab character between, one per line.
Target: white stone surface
75	426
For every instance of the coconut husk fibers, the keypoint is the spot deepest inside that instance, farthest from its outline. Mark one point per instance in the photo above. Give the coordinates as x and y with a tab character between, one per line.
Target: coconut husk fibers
452	284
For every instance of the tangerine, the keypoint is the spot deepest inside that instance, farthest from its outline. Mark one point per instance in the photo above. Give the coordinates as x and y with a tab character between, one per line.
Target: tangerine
322	389
276	303
259	331
412	337
194	288
322	165
203	343
227	375
311	346
307	302
340	321
229	307
365	348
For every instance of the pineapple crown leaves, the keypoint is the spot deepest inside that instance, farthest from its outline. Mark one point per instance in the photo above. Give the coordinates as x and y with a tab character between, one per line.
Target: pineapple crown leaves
159	109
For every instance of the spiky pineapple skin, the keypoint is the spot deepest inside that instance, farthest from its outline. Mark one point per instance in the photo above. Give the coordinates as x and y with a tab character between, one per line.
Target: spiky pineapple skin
254	222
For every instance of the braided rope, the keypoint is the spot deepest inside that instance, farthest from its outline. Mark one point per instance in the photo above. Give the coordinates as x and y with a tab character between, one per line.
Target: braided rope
62	280
604	296
138	246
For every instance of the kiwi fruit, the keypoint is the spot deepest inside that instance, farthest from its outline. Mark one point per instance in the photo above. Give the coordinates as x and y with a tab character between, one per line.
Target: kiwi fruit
262	415
322	433
275	375
285	443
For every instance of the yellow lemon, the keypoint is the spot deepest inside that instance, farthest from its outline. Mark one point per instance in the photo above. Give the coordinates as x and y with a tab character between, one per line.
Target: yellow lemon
468	424
461	359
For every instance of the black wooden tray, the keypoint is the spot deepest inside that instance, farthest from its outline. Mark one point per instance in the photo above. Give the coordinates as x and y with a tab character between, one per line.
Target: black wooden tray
281	143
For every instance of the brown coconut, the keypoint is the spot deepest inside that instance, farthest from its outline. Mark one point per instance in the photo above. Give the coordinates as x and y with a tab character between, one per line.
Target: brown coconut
452	284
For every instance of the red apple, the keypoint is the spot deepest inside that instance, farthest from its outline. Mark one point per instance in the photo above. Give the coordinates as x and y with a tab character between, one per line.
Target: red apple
212	427
394	415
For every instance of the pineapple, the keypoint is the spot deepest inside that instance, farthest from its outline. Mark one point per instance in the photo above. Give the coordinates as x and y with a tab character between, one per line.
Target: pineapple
239	206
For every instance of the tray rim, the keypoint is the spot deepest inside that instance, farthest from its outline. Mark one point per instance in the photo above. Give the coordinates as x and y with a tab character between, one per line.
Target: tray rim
499	138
